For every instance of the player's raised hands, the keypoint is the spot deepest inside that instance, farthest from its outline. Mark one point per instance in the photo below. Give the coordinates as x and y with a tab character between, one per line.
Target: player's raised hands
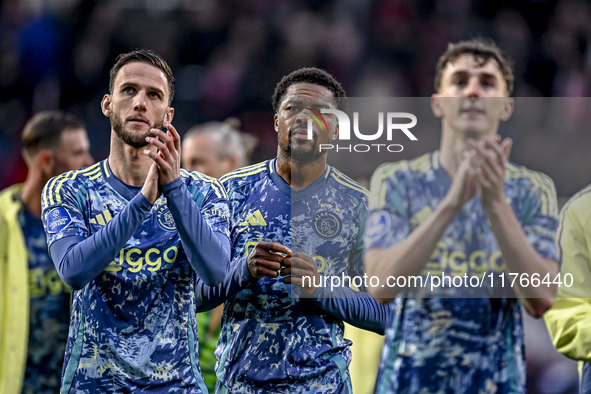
464	186
266	259
298	266
489	160
150	189
168	158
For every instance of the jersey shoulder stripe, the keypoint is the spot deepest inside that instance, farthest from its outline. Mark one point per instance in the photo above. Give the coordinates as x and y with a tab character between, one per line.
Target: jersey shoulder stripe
244	171
200	177
52	195
379	181
348	183
243	176
539	180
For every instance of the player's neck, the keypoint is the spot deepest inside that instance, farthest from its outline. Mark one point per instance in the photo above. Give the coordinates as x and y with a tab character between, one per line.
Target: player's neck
299	175
31	193
130	165
453	145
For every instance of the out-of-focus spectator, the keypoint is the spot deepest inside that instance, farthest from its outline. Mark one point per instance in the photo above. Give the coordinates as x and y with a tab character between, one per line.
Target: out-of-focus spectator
34	302
216	148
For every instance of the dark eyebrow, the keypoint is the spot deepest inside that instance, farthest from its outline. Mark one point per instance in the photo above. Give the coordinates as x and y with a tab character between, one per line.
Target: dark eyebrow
293	100
135	85
463	73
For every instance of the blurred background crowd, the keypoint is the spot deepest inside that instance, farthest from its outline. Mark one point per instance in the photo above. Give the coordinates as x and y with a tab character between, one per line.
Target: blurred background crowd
227	56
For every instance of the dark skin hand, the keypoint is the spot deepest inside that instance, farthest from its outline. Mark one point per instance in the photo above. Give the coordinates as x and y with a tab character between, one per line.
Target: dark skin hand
266	258
297	266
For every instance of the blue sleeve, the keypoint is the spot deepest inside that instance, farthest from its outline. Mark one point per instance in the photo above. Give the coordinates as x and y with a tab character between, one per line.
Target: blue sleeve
79	260
208	251
238	278
357	308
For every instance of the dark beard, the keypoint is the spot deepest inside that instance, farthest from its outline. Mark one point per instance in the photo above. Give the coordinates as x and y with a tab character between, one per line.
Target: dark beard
134	140
302	157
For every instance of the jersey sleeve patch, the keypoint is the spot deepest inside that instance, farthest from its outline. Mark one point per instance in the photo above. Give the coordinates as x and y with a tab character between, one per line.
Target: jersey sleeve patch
378	225
57	220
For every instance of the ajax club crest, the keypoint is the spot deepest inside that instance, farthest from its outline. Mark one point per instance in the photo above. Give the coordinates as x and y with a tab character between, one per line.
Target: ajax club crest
164	218
327	224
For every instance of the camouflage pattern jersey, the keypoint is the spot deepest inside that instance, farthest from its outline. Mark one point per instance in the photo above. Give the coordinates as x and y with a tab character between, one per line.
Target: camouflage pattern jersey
272	340
132	327
438	342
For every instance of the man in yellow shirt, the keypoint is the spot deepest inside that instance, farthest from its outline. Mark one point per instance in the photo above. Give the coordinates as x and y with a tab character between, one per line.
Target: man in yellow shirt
569	320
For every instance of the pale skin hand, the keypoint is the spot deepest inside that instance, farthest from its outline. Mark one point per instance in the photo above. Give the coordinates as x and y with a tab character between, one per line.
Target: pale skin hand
299	265
265	259
150	187
489	161
169	157
410	256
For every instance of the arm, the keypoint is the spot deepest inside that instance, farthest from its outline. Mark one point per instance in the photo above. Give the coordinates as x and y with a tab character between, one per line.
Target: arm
79	260
569	319
262	261
354	307
208	251
519	255
409	256
208	297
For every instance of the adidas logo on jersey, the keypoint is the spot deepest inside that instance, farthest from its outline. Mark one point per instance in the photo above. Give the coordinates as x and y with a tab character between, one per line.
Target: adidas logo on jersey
256	219
102	218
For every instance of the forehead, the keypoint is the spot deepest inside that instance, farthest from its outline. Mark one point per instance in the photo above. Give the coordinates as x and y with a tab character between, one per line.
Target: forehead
308	90
142	74
71	137
199	142
470	64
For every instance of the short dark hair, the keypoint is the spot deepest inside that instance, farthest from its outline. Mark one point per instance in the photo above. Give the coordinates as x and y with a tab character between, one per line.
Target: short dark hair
310	75
44	130
143	56
483	50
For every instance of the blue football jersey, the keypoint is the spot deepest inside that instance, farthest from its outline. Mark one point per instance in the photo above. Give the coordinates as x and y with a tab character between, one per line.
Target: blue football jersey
133	327
272	340
49	312
451	344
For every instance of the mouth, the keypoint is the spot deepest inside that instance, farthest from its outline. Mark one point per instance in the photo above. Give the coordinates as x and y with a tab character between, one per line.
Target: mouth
301	133
138	121
473	111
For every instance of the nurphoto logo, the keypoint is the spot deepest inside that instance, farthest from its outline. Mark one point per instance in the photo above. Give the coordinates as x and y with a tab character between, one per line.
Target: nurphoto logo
345	130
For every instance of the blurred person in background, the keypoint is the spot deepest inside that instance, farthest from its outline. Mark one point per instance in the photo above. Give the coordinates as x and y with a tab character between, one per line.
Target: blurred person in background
569	319
214	149
34	302
463	210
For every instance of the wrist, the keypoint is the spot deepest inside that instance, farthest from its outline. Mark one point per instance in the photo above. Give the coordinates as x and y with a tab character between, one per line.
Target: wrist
167	188
448	207
495	206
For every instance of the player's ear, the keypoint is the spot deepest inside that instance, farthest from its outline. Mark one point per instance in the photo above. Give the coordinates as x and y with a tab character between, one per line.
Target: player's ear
106	105
436	105
45	161
169	115
335	133
508	107
276	123
233	161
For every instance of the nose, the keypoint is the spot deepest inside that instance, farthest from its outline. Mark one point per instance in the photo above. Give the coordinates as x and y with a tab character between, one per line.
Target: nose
140	101
473	89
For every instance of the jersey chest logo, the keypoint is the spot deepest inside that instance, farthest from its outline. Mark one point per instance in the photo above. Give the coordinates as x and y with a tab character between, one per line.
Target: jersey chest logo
327	224
164	218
